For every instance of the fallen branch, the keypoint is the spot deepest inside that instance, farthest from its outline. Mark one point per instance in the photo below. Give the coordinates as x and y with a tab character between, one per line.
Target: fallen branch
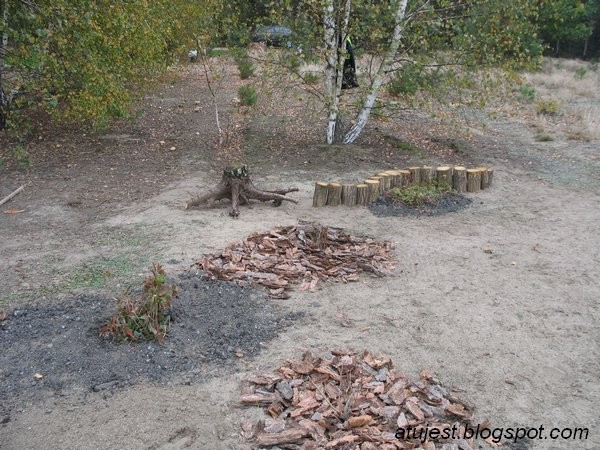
11	195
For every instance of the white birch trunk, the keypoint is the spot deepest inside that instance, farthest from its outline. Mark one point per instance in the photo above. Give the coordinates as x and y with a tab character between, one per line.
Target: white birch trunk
334	63
363	115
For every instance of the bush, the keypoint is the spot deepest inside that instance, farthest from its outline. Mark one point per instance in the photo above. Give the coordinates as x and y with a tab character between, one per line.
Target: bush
311	78
547	107
527	93
144	317
419	194
247	95
244	63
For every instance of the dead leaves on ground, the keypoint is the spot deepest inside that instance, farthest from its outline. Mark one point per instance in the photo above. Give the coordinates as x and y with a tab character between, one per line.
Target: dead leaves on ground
304	254
351	401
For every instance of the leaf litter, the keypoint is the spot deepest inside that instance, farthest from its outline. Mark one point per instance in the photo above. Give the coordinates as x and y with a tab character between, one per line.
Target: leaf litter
351	400
304	254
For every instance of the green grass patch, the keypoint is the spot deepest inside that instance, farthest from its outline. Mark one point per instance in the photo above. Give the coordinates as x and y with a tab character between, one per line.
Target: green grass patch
420	194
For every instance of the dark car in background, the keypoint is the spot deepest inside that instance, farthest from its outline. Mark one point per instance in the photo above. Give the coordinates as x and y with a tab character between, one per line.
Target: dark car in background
275	35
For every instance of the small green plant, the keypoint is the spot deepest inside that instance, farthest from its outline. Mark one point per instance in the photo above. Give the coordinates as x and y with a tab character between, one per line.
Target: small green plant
216	52
244	63
144	317
547	107
527	93
420	194
21	156
543	137
2	163
247	95
311	78
410	148
580	73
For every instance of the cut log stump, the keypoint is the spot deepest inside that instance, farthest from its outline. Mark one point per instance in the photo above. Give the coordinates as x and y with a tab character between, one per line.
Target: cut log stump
473	180
349	194
236	185
334	194
320	195
362	194
459	179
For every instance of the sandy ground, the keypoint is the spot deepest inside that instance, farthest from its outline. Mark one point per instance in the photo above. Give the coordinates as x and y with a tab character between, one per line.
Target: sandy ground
500	299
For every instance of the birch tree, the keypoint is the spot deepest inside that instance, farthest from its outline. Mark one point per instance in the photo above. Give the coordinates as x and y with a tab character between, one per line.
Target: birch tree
401	35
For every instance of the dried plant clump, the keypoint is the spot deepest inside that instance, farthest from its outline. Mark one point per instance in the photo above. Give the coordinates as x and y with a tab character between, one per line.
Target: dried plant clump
144	317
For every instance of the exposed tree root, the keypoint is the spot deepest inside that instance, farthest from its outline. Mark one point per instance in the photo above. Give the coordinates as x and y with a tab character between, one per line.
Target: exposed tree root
237	186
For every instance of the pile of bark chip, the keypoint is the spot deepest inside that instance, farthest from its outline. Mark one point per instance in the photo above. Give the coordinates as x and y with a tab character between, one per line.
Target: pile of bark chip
303	254
354	401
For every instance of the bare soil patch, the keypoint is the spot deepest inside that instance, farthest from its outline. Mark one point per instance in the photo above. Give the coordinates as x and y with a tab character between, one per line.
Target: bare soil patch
499	298
54	349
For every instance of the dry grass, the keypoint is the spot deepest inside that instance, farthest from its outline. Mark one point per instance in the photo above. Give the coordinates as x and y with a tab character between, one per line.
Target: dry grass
575	87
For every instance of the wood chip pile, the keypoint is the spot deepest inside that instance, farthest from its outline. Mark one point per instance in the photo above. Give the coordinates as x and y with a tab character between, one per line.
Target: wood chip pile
302	254
346	400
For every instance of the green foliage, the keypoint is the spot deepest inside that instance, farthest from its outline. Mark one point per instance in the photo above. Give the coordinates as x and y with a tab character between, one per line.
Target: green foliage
243	62
526	93
21	156
543	137
547	107
420	194
247	95
83	61
311	78
144	317
580	73
564	21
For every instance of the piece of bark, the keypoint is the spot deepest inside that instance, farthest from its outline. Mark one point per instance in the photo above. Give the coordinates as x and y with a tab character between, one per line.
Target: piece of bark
490	172
320	195
485	178
334	194
359	421
349	194
427	174
285	437
473	180
259	399
415	175
459	179
443	174
362	194
373	189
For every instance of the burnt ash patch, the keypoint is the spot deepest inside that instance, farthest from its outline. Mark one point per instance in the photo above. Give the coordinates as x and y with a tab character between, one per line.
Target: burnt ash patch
214	323
449	202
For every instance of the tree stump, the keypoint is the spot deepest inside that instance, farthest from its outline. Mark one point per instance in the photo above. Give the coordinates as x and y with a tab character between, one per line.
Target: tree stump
320	195
349	194
444	175
334	194
485	178
490	176
362	194
386	179
459	179
473	180
427	174
415	175
373	190
236	185
404	176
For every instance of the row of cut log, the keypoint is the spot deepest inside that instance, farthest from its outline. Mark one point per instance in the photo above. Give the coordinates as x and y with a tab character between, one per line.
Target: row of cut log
459	178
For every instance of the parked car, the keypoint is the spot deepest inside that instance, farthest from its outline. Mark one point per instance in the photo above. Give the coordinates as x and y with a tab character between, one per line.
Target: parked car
274	35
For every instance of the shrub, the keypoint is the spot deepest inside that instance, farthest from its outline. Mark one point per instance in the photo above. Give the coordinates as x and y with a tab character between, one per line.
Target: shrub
144	317
419	194
527	93
247	95
547	107
311	78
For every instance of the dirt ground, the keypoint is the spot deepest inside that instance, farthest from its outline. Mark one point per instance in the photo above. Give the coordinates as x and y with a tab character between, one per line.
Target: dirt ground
499	298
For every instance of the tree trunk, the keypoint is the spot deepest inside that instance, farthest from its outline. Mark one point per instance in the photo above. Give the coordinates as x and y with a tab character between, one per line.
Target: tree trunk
334	194
237	185
320	196
333	72
349	194
459	179
365	112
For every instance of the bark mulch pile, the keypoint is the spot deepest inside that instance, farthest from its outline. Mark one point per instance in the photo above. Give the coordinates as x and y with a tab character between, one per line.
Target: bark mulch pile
303	254
346	400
